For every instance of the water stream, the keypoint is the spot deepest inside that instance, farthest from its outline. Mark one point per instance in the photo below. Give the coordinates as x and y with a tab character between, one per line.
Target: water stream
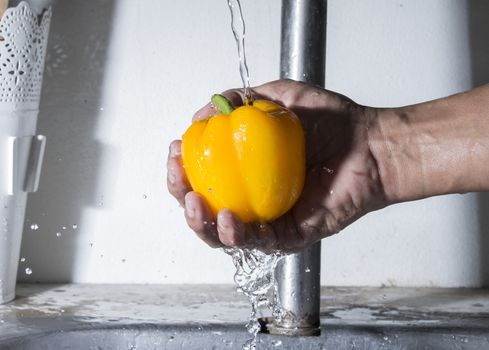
239	32
255	278
255	271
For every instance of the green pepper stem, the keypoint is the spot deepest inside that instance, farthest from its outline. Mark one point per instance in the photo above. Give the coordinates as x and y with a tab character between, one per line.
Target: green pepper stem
222	104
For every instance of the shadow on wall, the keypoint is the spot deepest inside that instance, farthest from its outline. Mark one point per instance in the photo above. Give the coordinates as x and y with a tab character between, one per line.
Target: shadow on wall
478	12
70	106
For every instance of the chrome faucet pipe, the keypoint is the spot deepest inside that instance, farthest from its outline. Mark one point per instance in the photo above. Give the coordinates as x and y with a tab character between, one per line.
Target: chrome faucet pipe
303	41
302	57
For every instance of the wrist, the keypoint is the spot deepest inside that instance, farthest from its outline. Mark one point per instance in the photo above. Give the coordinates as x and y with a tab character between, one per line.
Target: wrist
412	146
433	148
386	133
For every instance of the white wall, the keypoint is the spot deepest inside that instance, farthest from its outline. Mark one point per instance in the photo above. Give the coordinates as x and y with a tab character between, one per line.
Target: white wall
123	79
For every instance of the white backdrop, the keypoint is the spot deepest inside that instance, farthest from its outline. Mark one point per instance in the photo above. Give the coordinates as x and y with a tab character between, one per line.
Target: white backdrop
123	79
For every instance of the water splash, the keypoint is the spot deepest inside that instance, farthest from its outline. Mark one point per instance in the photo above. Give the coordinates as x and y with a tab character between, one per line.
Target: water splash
239	32
255	278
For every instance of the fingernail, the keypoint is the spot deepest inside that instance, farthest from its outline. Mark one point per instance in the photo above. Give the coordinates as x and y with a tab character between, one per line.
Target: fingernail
223	228
226	223
189	210
204	112
171	175
175	149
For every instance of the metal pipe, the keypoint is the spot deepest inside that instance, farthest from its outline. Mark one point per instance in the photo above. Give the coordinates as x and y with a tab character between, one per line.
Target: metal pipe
303	42
302	57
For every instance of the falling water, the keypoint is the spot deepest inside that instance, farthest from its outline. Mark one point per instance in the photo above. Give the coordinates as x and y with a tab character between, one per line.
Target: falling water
238	27
255	278
255	271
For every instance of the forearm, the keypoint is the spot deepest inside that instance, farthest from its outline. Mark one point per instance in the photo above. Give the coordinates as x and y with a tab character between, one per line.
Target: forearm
433	148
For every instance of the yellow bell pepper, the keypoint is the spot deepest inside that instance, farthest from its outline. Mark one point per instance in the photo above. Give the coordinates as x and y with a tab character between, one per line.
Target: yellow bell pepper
250	160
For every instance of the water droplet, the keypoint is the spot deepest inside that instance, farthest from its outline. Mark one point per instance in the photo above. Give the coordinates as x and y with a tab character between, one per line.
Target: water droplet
90	244
328	170
384	297
28	271
331	192
307	269
123	260
145	196
209	189
22	259
276	342
34	227
205	222
101	108
75	226
58	234
64	227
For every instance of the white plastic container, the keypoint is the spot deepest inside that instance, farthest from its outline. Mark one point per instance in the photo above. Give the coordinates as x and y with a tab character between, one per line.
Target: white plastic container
23	39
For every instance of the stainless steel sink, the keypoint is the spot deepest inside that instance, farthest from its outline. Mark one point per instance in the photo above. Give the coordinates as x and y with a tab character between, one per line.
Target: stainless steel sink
213	317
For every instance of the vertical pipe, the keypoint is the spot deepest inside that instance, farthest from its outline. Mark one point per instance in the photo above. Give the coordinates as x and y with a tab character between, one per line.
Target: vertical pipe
302	57
303	42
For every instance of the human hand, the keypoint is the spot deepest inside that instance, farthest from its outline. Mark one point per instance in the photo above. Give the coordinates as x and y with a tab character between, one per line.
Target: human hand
342	177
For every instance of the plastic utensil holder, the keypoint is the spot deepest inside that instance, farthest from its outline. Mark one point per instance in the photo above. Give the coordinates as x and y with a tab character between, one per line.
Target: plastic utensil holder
23	40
